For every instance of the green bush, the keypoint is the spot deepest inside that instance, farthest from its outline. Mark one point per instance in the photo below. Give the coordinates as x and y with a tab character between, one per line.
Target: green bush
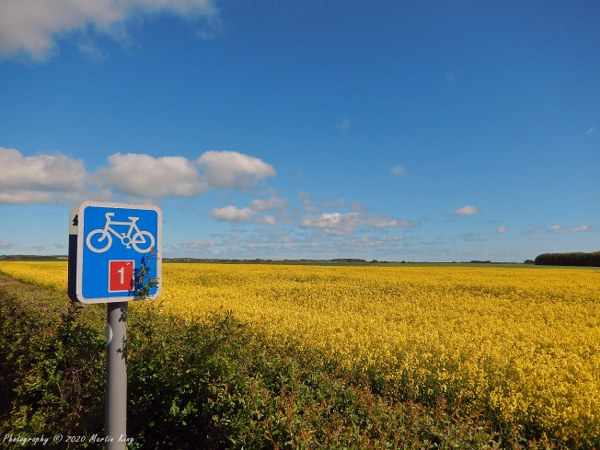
50	367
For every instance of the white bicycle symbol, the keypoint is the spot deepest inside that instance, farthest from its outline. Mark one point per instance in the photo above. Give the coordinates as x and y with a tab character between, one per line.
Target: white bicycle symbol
100	240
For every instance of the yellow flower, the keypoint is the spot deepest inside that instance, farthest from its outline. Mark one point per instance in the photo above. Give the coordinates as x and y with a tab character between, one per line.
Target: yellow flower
523	343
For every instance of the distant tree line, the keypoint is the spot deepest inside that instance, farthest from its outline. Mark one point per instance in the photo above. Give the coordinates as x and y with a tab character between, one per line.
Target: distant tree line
569	259
32	258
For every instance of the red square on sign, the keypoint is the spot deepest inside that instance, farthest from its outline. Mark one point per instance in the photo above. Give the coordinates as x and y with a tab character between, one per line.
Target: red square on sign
120	275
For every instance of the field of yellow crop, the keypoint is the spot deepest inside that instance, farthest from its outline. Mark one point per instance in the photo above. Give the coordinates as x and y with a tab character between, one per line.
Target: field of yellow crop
521	344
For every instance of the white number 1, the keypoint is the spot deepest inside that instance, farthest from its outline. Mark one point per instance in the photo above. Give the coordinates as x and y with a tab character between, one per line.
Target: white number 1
122	273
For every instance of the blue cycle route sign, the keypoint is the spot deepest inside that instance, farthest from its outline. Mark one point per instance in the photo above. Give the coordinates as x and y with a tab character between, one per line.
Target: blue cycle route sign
114	252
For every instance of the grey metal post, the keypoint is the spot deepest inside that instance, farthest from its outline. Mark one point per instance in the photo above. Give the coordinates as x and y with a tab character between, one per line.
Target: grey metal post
116	376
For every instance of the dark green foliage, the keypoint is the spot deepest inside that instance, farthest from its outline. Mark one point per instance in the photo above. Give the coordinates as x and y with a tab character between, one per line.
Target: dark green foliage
569	259
51	366
143	283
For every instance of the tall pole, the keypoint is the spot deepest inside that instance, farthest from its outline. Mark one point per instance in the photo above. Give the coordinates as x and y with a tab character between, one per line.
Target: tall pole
116	376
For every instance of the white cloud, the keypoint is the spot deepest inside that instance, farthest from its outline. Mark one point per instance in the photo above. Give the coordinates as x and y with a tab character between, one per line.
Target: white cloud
561	229
398	171
272	243
334	223
468	210
348	223
357	207
26	197
31	27
90	49
240	215
306	199
312	207
334	203
270	204
501	229
5	245
591	130
197	245
580	229
344	124
55	172
144	176
229	169
56	178
362	243
385	222
253	214
40	178
232	214
469	237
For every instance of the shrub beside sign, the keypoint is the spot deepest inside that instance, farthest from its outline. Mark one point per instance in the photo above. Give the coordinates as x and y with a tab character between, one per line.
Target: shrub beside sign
114	252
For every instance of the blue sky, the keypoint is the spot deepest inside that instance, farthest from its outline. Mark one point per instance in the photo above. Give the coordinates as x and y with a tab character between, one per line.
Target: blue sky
392	130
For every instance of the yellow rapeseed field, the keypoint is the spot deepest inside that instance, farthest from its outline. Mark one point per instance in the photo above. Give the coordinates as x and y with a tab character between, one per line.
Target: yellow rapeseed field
522	344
